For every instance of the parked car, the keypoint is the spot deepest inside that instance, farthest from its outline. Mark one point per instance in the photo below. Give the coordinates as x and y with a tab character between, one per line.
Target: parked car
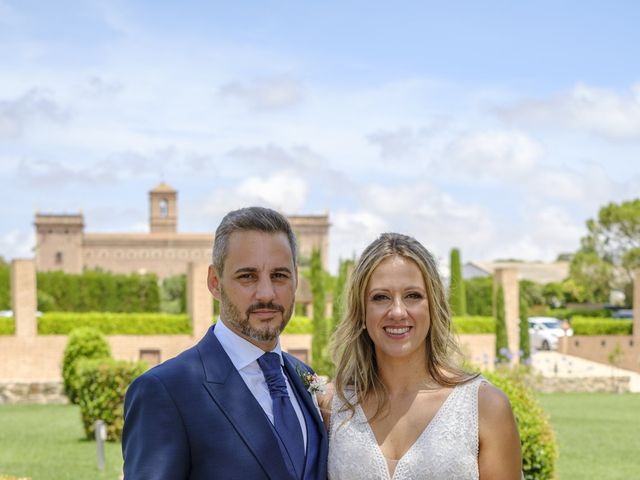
623	313
545	332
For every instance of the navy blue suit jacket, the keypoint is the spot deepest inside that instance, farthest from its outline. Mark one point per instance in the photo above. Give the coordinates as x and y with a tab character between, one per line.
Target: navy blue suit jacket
193	417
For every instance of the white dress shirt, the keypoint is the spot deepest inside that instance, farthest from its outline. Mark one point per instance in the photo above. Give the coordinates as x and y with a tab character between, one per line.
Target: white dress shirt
244	356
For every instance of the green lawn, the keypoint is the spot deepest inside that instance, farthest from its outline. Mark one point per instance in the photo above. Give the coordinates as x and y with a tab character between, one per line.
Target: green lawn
46	442
598	434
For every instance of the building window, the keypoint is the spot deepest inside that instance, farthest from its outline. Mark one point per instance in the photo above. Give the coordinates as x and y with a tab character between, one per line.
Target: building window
301	354
164	208
152	357
58	258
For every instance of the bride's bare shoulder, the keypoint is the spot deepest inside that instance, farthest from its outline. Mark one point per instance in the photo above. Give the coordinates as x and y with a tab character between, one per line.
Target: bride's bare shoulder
324	401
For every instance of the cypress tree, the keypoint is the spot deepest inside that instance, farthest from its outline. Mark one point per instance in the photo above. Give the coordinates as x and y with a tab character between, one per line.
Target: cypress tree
319	339
502	344
524	345
338	292
457	297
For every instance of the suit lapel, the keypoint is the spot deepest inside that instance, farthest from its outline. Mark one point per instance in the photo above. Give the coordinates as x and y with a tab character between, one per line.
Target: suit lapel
231	395
304	394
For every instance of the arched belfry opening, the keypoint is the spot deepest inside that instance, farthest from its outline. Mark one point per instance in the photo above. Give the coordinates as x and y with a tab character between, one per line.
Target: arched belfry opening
163	209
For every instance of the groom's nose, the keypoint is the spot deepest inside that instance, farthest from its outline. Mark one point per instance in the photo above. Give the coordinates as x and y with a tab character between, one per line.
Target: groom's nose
265	292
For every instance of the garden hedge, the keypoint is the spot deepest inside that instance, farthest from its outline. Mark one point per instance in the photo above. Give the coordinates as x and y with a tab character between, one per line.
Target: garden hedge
474	324
7	326
539	447
83	343
102	384
5	287
61	323
601	326
95	290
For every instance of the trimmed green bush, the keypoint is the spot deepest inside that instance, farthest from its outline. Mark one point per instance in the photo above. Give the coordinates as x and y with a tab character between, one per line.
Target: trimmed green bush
7	326
5	287
299	324
173	294
569	313
61	323
539	448
83	343
479	294
102	384
99	291
476	324
601	326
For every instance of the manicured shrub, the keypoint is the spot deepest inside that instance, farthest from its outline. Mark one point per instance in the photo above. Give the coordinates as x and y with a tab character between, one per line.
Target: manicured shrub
5	287
95	290
83	343
102	384
601	326
539	448
476	324
479	295
61	323
173	294
299	325
7	326
569	313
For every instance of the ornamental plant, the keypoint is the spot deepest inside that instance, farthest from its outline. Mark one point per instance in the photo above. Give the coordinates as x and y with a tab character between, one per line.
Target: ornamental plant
539	447
102	384
83	343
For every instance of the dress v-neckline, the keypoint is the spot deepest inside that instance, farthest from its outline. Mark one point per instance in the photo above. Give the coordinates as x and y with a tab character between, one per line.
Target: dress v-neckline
424	432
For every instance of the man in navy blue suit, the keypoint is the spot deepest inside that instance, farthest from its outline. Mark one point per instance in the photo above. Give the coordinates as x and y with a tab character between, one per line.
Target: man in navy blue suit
234	406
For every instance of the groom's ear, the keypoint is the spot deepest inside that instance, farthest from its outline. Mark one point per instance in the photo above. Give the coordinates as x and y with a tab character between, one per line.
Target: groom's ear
213	282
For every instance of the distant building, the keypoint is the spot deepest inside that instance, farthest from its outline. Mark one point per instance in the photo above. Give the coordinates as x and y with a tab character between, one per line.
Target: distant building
538	272
62	243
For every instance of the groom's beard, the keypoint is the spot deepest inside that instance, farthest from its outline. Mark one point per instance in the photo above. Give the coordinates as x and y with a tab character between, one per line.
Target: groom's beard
240	322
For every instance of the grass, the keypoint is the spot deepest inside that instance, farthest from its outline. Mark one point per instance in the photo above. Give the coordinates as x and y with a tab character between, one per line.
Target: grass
46	442
597	437
597	434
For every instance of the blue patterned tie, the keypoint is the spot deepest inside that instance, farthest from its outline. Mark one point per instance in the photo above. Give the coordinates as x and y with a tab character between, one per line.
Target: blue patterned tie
284	416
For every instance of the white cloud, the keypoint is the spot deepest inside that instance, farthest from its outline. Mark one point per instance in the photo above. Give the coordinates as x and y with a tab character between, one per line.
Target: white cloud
284	191
494	153
31	106
596	110
265	95
17	244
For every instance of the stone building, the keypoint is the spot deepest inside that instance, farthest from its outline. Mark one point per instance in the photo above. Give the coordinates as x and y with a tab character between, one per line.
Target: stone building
63	244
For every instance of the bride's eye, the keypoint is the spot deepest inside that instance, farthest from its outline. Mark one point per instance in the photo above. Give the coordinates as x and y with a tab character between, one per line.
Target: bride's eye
379	297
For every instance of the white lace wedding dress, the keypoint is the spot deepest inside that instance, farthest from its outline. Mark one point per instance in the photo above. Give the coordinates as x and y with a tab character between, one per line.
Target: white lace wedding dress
447	449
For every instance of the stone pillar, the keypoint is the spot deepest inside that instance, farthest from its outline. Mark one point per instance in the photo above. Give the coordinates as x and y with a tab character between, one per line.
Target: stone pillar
507	278
636	311
199	299
23	297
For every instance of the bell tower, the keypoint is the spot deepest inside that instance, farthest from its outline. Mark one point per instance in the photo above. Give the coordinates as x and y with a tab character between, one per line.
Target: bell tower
163	209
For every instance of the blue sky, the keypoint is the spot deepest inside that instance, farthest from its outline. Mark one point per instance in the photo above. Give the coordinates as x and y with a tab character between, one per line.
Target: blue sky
495	127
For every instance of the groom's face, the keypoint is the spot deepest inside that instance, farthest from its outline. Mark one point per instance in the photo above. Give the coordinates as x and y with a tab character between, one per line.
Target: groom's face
257	287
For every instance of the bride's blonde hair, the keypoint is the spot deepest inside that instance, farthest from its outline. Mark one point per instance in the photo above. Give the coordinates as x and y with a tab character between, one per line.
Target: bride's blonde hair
353	351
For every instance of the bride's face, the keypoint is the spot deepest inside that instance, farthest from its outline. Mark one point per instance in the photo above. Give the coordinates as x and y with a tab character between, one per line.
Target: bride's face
397	309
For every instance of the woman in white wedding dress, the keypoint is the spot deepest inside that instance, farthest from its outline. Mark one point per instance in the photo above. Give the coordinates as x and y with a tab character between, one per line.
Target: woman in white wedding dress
400	408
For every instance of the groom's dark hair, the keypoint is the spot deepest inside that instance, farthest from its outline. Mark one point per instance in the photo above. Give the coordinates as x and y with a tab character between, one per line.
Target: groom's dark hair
258	219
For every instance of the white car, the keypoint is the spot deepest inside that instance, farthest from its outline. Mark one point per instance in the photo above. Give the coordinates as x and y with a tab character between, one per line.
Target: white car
545	332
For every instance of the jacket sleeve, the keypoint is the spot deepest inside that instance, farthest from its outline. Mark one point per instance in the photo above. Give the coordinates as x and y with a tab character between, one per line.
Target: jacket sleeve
154	441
